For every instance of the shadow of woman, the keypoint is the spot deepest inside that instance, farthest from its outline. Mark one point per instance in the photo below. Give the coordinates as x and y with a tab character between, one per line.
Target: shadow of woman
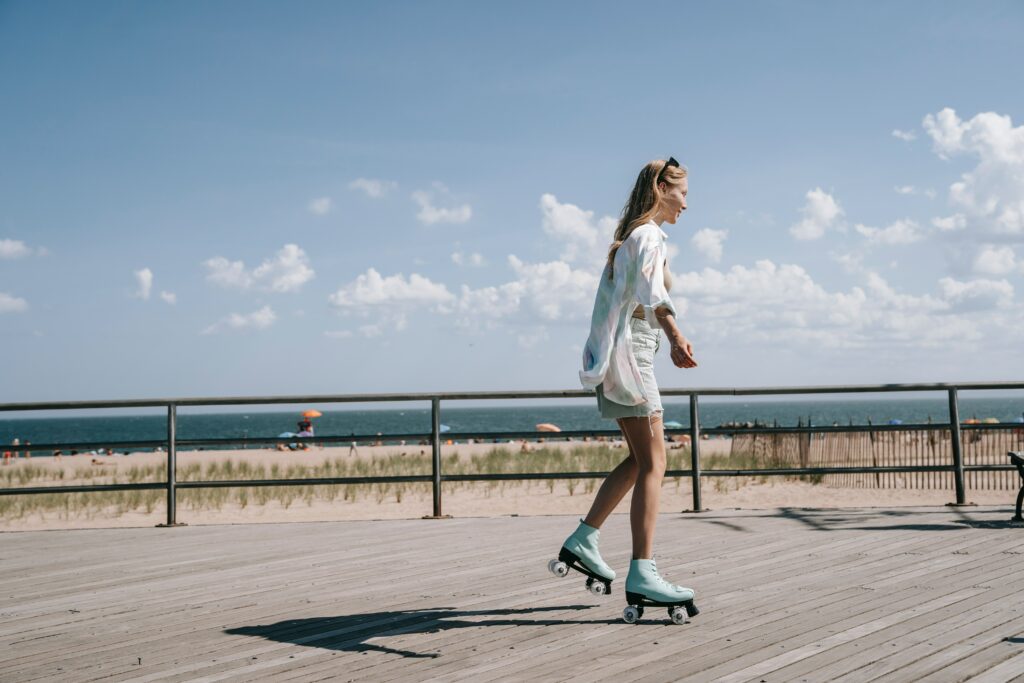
350	632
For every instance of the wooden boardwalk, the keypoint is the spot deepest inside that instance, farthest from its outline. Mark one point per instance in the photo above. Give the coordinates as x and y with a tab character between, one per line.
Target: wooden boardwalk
911	594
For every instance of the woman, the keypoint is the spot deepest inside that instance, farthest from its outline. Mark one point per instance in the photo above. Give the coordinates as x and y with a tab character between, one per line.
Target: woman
631	310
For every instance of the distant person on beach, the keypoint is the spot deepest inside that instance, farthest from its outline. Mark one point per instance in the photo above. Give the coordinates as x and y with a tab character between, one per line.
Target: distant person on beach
631	311
9	454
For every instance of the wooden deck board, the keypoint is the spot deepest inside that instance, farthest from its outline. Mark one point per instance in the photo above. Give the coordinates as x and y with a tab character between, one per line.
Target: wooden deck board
785	594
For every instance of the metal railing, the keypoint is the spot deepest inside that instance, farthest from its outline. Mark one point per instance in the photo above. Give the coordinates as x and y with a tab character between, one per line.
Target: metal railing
437	477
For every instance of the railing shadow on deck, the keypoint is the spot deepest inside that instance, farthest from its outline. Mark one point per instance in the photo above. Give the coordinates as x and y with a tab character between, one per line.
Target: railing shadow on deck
694	432
860	519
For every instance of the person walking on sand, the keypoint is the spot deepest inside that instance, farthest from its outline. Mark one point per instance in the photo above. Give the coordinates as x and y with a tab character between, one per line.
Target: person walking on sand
631	311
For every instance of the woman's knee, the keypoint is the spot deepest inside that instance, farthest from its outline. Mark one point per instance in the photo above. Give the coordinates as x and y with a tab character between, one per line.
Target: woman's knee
654	464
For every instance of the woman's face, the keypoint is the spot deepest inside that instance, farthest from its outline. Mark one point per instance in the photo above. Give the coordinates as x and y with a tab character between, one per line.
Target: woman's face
673	201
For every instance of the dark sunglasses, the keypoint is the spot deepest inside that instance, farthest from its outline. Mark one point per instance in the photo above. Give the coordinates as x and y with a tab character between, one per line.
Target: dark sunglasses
668	164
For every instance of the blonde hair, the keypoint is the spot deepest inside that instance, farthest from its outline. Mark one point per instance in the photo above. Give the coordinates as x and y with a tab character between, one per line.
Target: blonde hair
643	203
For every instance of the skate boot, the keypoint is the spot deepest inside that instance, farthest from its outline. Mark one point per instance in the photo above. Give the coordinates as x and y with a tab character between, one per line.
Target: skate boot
646	588
580	552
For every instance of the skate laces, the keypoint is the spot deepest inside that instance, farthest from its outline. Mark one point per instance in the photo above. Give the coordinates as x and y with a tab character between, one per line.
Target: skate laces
660	580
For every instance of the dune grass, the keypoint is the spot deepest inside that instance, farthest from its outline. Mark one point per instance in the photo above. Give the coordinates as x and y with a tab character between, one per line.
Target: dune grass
499	460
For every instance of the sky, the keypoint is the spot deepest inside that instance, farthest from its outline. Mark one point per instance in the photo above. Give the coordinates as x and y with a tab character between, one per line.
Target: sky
271	198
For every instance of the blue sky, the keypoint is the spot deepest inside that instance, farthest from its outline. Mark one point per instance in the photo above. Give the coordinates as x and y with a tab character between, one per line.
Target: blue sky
336	198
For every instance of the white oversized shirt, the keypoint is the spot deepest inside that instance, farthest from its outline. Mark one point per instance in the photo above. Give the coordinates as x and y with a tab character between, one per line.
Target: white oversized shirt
639	279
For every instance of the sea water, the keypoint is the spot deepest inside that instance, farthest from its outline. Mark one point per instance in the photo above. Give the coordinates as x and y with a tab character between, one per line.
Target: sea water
416	418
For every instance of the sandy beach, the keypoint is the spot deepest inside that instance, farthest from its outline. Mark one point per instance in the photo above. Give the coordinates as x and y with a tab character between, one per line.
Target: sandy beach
388	501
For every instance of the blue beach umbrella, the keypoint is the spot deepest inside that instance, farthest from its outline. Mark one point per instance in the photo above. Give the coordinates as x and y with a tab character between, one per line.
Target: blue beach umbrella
285	435
672	424
445	428
895	422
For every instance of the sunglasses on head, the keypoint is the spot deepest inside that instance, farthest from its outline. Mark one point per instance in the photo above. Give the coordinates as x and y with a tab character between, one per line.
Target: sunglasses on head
668	164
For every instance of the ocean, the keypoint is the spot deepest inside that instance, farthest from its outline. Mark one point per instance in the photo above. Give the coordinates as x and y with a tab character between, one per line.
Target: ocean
194	424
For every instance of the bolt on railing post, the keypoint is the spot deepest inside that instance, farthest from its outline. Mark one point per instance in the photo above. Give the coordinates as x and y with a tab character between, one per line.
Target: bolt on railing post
958	460
695	452
172	452
435	429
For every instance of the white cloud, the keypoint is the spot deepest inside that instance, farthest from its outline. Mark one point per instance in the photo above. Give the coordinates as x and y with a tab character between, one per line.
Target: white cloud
903	231
782	304
852	261
992	260
476	260
375	189
491	302
579	235
991	195
905	189
554	290
12	304
231	274
144	277
14	249
977	294
905	135
338	334
950	223
430	214
820	213
930	193
321	206
169	297
709	243
286	271
373	291
256	320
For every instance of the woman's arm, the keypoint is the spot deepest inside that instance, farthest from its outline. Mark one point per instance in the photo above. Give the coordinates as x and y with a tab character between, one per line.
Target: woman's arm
682	350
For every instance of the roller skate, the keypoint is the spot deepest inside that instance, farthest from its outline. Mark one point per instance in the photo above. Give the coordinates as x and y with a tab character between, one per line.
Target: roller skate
580	552
645	588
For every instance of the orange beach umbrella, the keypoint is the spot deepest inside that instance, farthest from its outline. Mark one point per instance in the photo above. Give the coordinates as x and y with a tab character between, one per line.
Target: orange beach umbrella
312	413
547	427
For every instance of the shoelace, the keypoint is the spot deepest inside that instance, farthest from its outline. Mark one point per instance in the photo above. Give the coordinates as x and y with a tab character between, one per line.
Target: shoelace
661	580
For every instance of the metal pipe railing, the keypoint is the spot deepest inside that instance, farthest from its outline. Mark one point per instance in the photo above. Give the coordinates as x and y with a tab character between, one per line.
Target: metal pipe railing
437	477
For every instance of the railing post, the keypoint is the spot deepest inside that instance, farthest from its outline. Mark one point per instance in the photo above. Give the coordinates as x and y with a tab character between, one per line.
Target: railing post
435	429
695	452
958	460
172	466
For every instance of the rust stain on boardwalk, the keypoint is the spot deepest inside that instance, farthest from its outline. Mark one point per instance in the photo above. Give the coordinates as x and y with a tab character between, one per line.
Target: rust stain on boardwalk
786	595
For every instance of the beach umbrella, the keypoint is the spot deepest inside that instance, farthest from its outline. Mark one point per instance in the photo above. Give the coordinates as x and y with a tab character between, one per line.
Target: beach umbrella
445	428
672	424
990	421
285	435
895	422
1019	420
547	427
312	413
972	421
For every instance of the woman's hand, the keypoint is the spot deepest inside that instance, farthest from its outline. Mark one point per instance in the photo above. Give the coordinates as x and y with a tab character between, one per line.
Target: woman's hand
682	352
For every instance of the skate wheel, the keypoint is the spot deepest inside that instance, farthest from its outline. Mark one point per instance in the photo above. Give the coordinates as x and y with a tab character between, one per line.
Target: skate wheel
677	615
630	615
596	587
558	568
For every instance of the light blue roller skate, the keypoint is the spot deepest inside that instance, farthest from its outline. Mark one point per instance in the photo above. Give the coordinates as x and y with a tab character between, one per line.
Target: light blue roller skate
580	552
646	588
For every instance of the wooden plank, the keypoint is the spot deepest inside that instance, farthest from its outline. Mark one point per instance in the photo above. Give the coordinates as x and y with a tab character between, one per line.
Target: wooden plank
362	598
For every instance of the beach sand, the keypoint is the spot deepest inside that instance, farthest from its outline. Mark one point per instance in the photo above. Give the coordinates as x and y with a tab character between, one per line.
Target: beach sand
476	499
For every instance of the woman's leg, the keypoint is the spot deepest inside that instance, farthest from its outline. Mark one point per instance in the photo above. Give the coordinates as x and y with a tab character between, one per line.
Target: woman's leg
614	487
647	443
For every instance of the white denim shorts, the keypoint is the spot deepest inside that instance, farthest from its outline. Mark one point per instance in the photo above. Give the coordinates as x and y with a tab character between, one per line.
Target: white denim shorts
646	342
